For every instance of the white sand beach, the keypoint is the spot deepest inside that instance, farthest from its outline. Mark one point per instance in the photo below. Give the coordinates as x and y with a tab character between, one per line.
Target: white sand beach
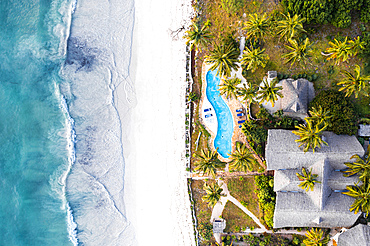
156	198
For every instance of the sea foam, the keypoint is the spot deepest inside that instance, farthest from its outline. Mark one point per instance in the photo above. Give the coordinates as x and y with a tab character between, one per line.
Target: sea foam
97	61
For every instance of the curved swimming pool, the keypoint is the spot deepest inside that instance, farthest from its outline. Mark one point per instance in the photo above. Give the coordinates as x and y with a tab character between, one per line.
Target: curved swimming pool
225	126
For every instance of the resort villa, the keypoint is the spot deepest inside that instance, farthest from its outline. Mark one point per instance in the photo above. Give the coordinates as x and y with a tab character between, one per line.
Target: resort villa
325	206
296	96
358	235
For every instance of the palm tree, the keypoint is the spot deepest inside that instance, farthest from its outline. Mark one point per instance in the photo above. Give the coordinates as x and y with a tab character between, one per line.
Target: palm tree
192	97
308	179
319	116
270	92
290	27
248	94
208	163
257	26
198	36
341	51
224	58
354	84
315	237
356	45
242	159
362	196
213	194
359	166
298	52
254	58
310	135
229	87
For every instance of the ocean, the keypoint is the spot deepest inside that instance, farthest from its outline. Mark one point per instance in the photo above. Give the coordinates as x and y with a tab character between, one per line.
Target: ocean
61	161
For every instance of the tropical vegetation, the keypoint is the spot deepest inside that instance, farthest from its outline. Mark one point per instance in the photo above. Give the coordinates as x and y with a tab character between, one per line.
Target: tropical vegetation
198	36
307	179
257	25
229	88
330	108
355	84
315	237
336	12
266	198
224	58
254	58
241	159
208	163
357	45
269	92
299	53
310	135
213	195
290	27
344	116
340	51
248	94
319	116
362	195
359	166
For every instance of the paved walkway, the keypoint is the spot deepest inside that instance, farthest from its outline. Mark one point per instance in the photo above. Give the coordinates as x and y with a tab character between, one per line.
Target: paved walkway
219	207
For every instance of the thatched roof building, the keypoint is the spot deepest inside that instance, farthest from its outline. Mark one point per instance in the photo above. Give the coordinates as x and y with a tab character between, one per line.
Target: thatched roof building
358	235
296	96
325	206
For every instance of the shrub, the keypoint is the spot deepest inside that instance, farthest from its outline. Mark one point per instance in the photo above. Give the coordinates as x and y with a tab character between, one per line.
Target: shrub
336	12
205	230
361	140
254	132
264	114
266	198
344	120
296	241
192	97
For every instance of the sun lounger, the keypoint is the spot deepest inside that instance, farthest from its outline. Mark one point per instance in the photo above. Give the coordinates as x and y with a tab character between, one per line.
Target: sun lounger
208	115
207	109
239	110
241	121
240	114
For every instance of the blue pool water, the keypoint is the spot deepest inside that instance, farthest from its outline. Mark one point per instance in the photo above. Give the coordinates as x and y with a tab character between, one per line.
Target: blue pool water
224	118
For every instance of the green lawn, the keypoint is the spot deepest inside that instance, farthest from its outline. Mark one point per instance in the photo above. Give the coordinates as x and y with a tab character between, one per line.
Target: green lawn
243	190
236	219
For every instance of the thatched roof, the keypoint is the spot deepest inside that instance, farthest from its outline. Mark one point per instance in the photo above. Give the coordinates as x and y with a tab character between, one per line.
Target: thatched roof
282	151
296	96
358	235
325	206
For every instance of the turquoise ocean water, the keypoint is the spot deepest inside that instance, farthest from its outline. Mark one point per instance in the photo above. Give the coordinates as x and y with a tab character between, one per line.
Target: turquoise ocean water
35	133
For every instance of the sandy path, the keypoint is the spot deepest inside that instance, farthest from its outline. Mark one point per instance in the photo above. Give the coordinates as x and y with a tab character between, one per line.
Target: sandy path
156	195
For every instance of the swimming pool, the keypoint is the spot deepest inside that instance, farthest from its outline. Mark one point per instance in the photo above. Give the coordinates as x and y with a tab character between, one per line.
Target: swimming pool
225	126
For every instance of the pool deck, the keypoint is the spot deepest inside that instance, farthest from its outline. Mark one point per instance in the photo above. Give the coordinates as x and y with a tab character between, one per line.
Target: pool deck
233	104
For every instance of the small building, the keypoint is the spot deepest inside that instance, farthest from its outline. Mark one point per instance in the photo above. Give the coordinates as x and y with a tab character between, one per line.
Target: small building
364	130
325	206
219	225
297	94
358	235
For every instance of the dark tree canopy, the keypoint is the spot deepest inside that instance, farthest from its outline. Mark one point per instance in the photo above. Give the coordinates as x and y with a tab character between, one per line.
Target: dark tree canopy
336	12
344	120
